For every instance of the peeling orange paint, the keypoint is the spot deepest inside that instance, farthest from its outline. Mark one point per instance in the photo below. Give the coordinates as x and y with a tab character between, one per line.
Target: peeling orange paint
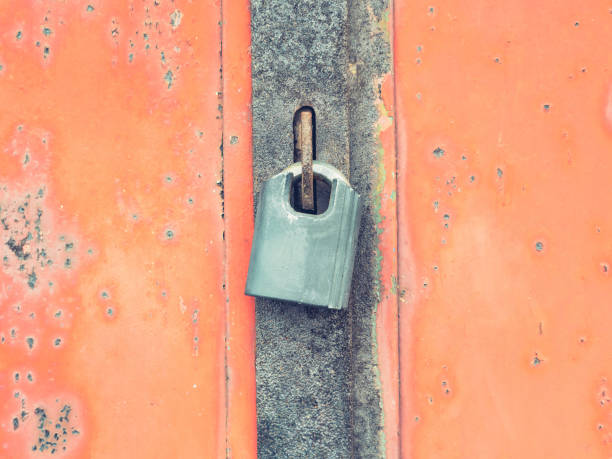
387	311
114	112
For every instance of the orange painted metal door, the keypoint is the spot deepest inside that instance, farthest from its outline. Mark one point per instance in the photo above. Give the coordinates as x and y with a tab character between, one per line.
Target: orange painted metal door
125	218
504	125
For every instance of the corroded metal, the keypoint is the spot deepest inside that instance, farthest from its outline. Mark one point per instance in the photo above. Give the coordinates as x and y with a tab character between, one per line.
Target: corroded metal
303	132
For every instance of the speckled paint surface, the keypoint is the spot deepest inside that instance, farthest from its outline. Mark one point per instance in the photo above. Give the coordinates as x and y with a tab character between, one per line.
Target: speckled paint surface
115	305
505	228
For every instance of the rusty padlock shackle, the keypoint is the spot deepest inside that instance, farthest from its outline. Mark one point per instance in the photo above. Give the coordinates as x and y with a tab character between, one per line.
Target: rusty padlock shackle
319	168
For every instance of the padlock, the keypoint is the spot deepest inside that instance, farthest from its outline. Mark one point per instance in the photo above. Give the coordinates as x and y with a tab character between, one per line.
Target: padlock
305	258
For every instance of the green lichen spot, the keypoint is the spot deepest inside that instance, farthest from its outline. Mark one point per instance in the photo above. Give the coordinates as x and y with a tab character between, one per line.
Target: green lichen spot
104	294
169	77
472	178
19	35
69	246
30	342
169	234
58	313
438	152
233	140
32	279
539	246
67	263
500	173
190	200
130	57
47	31
90	8
168	179
57	342
109	311
394	285
546	107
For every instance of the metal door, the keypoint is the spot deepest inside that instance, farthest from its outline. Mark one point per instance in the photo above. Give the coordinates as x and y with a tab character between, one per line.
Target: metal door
124	331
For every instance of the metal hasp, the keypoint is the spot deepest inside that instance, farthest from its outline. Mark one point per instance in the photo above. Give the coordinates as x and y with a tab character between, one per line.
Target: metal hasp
304	142
305	258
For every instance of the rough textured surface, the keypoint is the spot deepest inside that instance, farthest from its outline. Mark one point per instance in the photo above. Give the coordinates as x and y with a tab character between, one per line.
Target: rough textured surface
303	373
317	388
369	56
299	58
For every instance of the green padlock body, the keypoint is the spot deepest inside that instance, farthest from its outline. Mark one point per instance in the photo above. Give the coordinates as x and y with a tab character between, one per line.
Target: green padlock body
301	257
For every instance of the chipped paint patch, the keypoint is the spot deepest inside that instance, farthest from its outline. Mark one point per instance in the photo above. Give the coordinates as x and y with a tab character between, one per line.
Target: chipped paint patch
438	152
32	248
175	19
384	322
35	241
